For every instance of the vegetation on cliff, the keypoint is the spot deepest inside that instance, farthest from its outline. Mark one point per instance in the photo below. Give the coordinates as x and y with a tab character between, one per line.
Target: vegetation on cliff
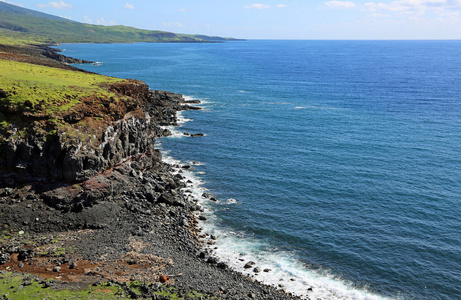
35	88
58	124
38	95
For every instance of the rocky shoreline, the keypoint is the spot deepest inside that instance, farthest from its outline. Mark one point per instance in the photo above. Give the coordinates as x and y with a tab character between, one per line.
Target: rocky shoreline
108	210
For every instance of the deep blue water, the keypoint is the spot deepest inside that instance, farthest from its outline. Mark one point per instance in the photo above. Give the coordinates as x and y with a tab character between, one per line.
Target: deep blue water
343	156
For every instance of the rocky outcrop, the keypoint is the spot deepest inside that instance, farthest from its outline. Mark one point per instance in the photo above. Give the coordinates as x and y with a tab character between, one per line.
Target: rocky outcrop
54	55
128	129
39	55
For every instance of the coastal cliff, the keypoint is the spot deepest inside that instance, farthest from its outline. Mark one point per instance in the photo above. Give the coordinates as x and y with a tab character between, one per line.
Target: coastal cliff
93	167
94	136
70	164
86	200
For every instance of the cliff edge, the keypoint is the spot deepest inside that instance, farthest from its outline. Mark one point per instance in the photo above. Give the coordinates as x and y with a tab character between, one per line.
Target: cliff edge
95	135
86	203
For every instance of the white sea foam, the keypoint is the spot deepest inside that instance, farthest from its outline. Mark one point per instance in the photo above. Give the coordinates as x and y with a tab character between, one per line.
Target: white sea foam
189	98
231	201
204	102
287	272
181	118
238	248
175	130
175	133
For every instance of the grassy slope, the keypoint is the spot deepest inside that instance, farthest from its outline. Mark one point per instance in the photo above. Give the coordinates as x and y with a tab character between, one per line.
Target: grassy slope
48	30
54	88
8	37
33	96
13	9
22	23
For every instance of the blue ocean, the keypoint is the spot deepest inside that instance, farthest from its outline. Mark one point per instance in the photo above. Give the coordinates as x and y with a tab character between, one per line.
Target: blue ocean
336	164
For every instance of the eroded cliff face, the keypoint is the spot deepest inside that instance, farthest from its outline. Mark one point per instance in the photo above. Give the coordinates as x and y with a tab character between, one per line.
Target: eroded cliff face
98	134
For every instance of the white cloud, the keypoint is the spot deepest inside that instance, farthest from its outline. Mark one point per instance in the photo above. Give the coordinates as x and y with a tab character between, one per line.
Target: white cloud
448	14
102	21
54	4
128	6
282	5
414	6
393	6
378	16
257	6
340	4
99	21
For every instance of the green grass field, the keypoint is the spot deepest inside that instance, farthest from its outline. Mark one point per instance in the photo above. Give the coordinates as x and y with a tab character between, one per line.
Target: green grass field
35	92
19	287
12	38
57	90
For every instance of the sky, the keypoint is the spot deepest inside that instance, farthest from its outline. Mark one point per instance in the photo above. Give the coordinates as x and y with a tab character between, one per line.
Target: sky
270	19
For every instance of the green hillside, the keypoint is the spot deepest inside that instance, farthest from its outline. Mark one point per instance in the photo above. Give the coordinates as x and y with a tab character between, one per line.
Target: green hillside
13	9
17	23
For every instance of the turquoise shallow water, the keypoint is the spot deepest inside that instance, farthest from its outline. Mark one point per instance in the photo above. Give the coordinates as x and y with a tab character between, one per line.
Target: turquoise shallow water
343	156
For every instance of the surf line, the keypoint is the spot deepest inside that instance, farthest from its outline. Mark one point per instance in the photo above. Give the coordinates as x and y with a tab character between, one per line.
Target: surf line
241	251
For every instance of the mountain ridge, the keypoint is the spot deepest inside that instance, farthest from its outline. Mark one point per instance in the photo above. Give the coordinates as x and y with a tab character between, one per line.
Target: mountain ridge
34	26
